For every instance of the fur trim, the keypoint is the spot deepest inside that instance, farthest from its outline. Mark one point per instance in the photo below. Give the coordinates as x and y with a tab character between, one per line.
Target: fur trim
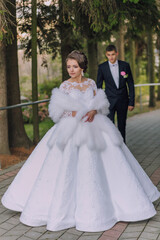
61	102
100	103
89	133
82	132
62	134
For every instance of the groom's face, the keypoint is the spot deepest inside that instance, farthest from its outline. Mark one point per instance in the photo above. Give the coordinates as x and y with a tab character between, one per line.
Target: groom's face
112	56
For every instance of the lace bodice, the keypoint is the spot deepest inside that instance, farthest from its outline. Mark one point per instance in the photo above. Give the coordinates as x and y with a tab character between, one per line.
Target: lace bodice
68	87
85	90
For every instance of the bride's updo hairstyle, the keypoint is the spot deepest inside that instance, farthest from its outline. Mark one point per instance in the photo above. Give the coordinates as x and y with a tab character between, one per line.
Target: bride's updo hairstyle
80	57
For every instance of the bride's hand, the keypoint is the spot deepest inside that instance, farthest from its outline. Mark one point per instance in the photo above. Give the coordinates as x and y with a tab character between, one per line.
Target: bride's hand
90	115
74	113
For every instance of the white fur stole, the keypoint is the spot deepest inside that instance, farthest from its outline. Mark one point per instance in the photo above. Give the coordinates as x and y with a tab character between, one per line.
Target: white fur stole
89	133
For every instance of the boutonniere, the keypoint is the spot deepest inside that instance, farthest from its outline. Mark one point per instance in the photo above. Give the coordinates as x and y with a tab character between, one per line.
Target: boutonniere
124	74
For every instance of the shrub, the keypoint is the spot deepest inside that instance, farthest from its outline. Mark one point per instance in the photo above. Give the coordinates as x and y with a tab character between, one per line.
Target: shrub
47	86
27	114
45	89
42	113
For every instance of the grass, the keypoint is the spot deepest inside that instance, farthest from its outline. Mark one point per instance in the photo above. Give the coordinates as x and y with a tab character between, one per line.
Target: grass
43	128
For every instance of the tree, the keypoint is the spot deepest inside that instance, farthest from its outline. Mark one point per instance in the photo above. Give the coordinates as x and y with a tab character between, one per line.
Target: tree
133	58
17	134
151	65
91	37
97	20
158	47
55	33
4	144
148	20
82	16
120	42
68	40
153	17
60	23
34	73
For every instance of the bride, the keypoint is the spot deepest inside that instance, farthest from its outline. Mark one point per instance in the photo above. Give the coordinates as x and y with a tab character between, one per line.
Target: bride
81	174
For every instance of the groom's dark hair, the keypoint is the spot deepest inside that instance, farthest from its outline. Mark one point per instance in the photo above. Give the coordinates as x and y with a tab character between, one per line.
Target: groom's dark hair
110	48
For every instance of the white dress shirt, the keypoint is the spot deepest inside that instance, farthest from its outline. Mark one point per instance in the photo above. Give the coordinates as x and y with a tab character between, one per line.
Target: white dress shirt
115	72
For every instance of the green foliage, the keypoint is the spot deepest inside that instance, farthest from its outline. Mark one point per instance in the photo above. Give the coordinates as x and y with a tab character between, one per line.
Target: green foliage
90	19
45	90
134	1
50	21
47	38
2	24
24	79
1	36
46	87
27	114
105	16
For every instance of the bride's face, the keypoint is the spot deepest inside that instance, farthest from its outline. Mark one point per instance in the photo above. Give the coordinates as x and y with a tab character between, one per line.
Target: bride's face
73	68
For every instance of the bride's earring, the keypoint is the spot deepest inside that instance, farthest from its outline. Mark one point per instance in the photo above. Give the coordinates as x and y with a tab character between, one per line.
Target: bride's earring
82	73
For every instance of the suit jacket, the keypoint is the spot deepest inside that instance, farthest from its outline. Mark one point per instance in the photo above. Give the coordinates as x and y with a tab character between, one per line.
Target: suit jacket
126	85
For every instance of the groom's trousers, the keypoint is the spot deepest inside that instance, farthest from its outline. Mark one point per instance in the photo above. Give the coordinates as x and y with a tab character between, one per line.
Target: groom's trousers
120	108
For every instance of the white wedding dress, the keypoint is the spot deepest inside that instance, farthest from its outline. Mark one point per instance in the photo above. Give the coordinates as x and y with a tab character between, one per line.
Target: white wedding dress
79	187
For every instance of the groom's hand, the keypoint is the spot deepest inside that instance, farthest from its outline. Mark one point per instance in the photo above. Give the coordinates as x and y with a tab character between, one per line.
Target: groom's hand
130	108
90	115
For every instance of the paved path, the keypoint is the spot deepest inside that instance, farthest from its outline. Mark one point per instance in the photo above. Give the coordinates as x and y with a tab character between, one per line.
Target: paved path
143	138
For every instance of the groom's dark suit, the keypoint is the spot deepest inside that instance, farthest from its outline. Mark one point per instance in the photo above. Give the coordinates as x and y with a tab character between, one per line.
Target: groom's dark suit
119	97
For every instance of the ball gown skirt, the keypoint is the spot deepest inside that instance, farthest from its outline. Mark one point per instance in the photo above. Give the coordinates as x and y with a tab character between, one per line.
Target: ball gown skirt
77	187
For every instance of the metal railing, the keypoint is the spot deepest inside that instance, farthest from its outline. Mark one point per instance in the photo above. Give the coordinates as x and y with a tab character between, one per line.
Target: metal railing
24	104
47	100
140	90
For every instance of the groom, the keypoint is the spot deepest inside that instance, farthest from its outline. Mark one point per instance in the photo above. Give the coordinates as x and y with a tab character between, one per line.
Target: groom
119	87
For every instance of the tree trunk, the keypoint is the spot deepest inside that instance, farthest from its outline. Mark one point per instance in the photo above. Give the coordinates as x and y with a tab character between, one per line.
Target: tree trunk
17	134
92	58
151	73
133	59
4	144
120	43
66	35
66	47
34	73
158	92
138	61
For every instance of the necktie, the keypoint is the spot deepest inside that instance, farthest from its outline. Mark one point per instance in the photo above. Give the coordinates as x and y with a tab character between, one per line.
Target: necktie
115	74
